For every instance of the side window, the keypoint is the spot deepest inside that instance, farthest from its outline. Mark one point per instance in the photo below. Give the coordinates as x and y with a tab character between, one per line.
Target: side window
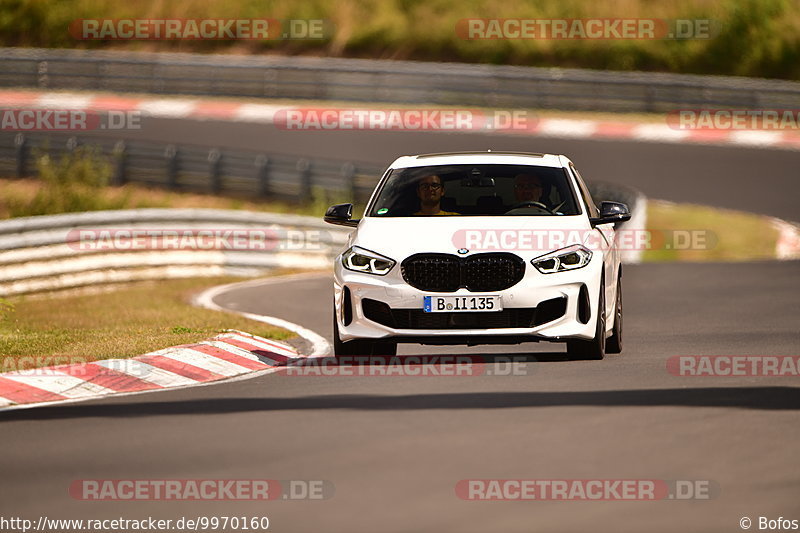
587	198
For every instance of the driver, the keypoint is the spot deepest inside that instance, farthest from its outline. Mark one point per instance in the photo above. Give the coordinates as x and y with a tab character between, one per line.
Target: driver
430	190
528	188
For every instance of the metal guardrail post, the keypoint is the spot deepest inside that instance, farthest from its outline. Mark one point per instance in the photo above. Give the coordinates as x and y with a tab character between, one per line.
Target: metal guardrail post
171	156
21	154
42	79
215	170
650	99
270	83
72	144
120	164
262	174
349	175
306	183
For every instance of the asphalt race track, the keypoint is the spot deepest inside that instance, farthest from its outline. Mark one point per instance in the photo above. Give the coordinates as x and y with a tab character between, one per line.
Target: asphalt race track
395	447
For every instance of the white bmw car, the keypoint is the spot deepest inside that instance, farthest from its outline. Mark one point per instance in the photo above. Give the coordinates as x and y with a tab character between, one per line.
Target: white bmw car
479	248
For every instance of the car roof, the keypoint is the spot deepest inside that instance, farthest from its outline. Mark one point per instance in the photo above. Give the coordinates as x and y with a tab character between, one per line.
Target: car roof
476	158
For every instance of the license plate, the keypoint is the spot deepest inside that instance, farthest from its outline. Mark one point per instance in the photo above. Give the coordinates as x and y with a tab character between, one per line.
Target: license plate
453	304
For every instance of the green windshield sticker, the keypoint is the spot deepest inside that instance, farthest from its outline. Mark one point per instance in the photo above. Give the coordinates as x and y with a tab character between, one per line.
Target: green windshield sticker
382	211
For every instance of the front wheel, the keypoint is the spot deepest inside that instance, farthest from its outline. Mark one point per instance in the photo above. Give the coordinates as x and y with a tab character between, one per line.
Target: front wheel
593	349
614	342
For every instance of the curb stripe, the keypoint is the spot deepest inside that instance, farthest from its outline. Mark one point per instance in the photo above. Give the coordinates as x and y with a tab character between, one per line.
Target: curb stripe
22	392
230	357
167	108
214	109
58	382
206	362
567	128
241	352
114	380
614	129
65	100
263	344
19	99
258	350
186	370
113	103
709	135
149	373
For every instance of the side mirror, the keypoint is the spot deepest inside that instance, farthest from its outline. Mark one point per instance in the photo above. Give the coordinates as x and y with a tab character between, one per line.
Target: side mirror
340	214
611	212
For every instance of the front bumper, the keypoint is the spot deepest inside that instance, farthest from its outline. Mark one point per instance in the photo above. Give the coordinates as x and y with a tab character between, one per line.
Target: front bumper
580	289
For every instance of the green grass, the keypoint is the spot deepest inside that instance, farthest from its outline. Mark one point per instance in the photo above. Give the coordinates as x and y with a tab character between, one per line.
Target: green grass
754	38
727	235
128	321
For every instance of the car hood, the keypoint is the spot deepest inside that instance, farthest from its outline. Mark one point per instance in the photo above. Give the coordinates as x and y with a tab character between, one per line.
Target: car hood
398	238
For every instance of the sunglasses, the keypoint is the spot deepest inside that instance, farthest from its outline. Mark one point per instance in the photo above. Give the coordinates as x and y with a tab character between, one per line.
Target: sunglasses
432	186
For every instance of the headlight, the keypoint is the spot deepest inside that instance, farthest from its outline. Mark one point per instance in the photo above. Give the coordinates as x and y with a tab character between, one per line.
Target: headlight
570	258
361	260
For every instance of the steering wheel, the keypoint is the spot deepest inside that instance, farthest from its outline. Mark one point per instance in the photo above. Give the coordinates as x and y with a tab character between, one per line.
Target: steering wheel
520	205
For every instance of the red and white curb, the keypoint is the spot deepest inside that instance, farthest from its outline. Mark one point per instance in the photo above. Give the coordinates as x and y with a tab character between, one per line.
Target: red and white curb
317	345
226	356
265	113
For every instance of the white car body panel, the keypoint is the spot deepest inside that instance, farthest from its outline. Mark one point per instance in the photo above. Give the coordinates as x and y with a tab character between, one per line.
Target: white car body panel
399	237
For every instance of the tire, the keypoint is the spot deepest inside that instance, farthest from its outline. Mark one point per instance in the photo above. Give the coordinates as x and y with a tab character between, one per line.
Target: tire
360	346
614	342
386	348
593	349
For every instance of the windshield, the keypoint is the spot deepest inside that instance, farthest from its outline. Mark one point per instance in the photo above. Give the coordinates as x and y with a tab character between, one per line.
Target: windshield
475	190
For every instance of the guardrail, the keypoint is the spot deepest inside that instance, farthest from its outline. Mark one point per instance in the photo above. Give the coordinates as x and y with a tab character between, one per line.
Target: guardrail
258	175
385	81
71	250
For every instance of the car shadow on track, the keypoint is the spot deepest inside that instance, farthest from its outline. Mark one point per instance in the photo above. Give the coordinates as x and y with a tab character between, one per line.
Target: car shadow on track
759	398
444	358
